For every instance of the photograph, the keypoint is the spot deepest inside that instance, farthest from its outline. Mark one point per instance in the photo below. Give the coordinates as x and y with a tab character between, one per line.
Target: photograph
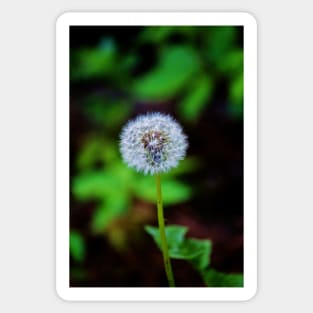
156	157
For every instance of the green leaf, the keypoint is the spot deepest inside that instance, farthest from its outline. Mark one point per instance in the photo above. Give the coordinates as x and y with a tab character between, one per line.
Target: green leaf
159	34
94	62
88	154
236	97
196	99
115	180
220	39
214	278
77	246
177	65
110	188
111	208
96	150
187	165
156	33
107	112
172	191
175	192
195	251
95	185
175	235
232	63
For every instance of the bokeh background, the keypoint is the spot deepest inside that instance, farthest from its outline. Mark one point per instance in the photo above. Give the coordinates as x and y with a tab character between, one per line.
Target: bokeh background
196	75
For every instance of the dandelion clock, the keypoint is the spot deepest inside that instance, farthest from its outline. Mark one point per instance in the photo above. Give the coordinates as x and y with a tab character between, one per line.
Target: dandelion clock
153	144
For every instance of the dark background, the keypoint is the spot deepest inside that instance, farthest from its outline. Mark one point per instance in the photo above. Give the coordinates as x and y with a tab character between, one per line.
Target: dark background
192	73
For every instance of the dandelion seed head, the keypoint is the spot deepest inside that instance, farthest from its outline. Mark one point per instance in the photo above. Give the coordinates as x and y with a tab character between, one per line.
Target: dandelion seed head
153	143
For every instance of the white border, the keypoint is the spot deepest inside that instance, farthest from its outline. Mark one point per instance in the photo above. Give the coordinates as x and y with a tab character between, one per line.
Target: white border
62	157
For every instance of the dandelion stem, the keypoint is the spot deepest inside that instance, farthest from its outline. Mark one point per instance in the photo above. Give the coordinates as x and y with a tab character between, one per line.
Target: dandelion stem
166	258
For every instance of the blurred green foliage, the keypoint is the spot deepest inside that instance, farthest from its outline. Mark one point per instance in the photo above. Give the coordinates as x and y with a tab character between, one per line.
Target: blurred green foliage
189	69
106	112
215	278
197	98
195	251
115	185
110	82
92	62
177	65
77	246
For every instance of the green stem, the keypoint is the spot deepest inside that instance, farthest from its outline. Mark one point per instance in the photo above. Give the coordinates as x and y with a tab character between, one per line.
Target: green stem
166	258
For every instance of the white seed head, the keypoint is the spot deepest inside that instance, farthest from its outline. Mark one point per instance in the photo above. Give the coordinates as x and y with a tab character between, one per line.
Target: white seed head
153	143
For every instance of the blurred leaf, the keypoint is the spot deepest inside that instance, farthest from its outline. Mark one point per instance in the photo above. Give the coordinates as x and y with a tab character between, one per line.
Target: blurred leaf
94	185
110	153
128	62
96	150
110	187
88	154
124	174
197	98
156	33
94	62
220	39
195	251
107	112
175	235
172	191
77	246
232	63
111	208
236	96
159	34
118	238
214	278
187	165
177	65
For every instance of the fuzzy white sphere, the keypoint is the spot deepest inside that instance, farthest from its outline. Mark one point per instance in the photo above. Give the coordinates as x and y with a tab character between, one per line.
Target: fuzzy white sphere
153	143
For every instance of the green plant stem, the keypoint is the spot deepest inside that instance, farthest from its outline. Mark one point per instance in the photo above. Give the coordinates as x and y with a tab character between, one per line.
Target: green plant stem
166	258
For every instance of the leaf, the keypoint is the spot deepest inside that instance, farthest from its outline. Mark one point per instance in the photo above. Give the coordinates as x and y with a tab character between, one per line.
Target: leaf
156	33
95	185
214	278
111	208
236	97
177	65
94	62
105	111
220	39
187	165
172	191
77	246
159	34
196	99
175	235
88	154
232	63
100	184
110	188
195	251
96	150
175	192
